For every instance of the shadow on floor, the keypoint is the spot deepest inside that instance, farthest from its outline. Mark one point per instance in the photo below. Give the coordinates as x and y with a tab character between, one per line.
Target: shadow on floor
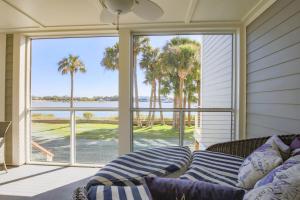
62	193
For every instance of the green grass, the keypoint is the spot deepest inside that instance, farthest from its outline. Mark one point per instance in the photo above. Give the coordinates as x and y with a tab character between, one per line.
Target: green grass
106	131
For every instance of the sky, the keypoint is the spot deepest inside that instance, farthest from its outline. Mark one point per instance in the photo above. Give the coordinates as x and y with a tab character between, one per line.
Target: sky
97	81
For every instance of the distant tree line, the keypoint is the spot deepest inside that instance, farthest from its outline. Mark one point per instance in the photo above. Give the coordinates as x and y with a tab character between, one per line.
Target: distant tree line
67	98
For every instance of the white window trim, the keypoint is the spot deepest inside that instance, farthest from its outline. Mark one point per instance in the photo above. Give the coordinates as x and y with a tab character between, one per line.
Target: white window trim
2	75
235	32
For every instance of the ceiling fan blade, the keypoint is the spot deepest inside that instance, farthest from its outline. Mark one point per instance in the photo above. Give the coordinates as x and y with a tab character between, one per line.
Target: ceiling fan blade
107	17
147	9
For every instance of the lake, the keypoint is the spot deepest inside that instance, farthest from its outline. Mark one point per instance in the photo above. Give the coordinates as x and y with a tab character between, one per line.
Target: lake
102	104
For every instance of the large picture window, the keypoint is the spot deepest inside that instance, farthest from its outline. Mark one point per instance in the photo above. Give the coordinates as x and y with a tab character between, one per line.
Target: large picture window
182	90
74	100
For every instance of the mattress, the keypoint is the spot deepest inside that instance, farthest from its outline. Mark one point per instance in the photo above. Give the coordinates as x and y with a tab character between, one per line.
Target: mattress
214	167
130	169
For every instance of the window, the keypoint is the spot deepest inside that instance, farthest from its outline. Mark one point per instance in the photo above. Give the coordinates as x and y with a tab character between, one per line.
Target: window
182	93
182	90
74	100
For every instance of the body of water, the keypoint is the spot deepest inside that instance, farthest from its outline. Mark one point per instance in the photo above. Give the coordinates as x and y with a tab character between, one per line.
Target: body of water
102	104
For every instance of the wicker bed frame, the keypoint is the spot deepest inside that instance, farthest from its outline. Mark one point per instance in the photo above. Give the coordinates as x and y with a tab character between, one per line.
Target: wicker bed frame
241	148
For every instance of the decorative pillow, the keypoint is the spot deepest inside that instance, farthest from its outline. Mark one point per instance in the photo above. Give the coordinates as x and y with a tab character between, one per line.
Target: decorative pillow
140	192
178	189
258	164
285	185
279	171
295	144
275	141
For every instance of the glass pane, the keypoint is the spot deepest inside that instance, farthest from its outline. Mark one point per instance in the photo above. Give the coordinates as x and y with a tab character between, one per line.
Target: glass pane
160	76
209	128
183	71
91	80
155	131
96	137
50	136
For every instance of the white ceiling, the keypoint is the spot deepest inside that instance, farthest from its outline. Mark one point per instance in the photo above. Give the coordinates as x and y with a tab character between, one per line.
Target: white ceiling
42	14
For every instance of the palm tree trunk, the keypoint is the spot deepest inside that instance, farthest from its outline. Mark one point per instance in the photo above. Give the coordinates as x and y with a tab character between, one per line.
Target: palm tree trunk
162	121
184	105
199	100
189	113
150	106
181	83
199	94
72	89
154	102
136	96
181	86
174	113
177	114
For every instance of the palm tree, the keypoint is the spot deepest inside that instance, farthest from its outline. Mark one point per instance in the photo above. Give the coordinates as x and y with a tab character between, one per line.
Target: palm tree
181	56
149	63
181	60
71	65
111	62
159	76
150	79
111	58
191	89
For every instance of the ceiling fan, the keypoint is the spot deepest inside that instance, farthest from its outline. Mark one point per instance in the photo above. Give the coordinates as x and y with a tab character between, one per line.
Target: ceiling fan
112	9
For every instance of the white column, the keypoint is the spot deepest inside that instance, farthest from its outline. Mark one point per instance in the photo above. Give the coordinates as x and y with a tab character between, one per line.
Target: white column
2	75
18	104
124	91
241	84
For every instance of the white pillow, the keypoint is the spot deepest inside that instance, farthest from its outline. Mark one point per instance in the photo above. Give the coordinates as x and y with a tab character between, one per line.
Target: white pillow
286	185
258	164
275	141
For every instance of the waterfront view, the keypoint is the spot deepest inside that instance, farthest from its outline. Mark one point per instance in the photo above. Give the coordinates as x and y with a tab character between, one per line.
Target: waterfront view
75	95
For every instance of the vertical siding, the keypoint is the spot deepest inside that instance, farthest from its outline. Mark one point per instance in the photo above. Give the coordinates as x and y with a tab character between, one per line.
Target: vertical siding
273	71
8	93
216	88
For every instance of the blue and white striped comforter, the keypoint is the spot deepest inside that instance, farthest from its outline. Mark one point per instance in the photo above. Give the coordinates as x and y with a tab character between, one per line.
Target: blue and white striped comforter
214	167
129	170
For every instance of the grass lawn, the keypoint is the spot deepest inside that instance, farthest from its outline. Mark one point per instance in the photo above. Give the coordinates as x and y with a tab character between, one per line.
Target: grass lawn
106	131
98	143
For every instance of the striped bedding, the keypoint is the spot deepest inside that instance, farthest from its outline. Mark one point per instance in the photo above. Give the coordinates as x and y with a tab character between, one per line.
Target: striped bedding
214	167
103	192
129	170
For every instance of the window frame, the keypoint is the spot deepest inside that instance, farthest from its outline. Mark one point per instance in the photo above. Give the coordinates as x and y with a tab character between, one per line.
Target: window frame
71	110
126	33
181	111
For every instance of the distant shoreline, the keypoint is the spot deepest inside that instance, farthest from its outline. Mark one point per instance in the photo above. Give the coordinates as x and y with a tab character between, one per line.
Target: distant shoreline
62	101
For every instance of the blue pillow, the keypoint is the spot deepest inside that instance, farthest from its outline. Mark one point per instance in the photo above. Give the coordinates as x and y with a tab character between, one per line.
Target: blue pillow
103	192
170	188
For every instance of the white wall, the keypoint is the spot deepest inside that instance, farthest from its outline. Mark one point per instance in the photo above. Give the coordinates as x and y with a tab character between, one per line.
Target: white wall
2	75
216	88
